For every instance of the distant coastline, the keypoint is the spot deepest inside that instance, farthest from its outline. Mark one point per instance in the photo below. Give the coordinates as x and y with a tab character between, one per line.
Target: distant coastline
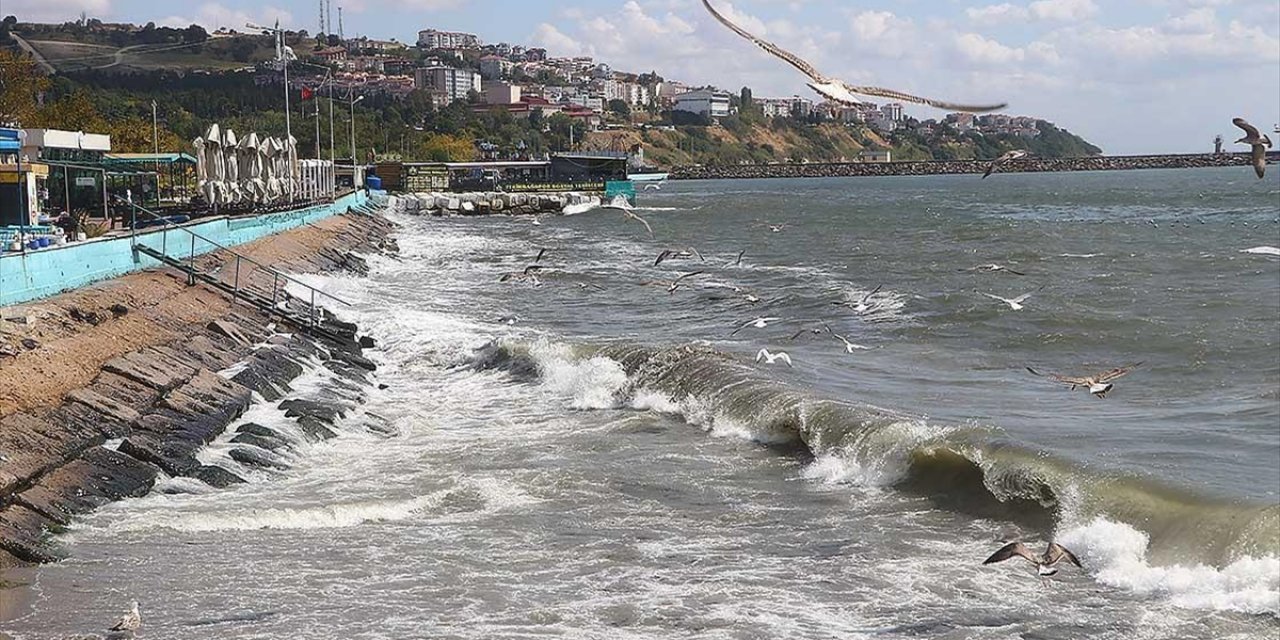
949	167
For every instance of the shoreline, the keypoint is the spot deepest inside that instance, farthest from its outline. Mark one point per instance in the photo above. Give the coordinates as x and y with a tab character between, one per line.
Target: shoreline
960	167
110	386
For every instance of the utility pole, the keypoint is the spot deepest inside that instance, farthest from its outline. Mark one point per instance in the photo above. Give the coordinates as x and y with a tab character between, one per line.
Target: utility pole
321	20
328	17
155	128
341	36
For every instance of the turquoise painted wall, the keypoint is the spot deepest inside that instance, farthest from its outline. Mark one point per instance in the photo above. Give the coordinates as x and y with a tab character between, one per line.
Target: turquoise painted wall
42	273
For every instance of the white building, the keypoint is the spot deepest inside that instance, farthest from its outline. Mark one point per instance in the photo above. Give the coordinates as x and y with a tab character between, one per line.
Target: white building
433	39
785	107
892	111
494	67
704	102
502	93
453	84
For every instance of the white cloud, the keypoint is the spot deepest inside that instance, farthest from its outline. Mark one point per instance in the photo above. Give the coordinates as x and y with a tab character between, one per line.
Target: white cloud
55	10
212	15
1041	10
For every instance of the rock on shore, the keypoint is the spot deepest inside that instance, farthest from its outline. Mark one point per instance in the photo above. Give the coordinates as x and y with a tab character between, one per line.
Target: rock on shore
491	202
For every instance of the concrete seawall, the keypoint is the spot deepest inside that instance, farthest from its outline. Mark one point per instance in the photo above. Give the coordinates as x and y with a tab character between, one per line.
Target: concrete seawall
108	388
37	274
952	167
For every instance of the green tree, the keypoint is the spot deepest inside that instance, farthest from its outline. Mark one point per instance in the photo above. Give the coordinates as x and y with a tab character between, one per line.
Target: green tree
620	108
20	83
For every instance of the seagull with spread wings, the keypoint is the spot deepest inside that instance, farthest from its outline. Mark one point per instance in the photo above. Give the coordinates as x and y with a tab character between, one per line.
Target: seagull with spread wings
1045	563
1004	159
834	88
1258	143
1099	384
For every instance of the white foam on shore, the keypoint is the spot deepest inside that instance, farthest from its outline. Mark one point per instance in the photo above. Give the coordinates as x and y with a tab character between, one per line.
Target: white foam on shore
1116	555
329	516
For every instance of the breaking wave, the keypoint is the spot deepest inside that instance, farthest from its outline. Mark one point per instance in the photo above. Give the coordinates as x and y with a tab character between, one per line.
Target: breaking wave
1197	551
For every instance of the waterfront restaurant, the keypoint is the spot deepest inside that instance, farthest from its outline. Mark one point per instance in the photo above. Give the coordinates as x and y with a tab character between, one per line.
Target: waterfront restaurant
20	182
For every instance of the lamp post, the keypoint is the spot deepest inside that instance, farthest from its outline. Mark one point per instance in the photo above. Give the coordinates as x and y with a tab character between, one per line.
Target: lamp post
354	100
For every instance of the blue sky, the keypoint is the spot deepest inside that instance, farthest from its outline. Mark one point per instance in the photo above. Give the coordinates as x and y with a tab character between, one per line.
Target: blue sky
1130	75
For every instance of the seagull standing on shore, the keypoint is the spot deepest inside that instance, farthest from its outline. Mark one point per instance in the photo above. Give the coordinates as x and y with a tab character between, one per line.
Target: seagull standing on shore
834	88
770	358
1258	143
1004	159
131	621
1098	384
1046	563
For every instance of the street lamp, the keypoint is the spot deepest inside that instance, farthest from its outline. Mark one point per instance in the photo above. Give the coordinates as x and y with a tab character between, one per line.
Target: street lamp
354	100
282	55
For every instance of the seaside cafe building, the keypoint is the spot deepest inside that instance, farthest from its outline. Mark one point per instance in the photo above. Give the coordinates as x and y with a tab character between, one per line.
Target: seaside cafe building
20	182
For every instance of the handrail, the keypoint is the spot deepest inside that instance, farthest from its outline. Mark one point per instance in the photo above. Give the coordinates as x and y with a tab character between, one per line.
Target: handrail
272	270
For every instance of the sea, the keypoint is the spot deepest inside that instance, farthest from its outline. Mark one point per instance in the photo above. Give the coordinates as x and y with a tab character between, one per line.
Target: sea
587	453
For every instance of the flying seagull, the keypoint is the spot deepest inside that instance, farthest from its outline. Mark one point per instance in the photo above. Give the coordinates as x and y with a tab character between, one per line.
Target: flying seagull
1098	384
758	323
671	254
770	358
1046	563
673	285
991	268
131	621
864	303
1004	159
849	347
834	88
1014	303
1258	143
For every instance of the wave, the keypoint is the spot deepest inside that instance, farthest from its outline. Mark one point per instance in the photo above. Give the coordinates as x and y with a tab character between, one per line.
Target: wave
1135	533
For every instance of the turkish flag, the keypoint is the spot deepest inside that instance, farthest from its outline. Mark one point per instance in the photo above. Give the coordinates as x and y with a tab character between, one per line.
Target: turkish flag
307	93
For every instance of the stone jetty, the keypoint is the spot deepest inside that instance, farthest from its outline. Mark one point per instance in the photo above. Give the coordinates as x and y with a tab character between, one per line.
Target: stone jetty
492	202
121	382
952	167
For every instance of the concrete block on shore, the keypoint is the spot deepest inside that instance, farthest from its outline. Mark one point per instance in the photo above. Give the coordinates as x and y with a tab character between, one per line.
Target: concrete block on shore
149	370
99	476
22	533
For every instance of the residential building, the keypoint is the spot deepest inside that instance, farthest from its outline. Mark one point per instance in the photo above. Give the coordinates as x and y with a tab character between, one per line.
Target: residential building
453	84
495	67
331	55
535	54
368	64
433	39
785	107
892	111
705	102
501	93
375	46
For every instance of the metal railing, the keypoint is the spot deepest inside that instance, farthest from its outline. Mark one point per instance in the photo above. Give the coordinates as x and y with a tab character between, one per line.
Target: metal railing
276	275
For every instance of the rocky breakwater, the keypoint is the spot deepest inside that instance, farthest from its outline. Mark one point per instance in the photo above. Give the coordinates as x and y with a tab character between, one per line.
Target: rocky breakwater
149	411
492	202
950	167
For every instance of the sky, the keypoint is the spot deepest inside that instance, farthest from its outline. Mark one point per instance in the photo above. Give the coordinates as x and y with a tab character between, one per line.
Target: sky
1132	76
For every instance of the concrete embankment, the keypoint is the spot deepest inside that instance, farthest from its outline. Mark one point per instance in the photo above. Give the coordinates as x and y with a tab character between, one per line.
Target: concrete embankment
949	167
490	202
104	388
